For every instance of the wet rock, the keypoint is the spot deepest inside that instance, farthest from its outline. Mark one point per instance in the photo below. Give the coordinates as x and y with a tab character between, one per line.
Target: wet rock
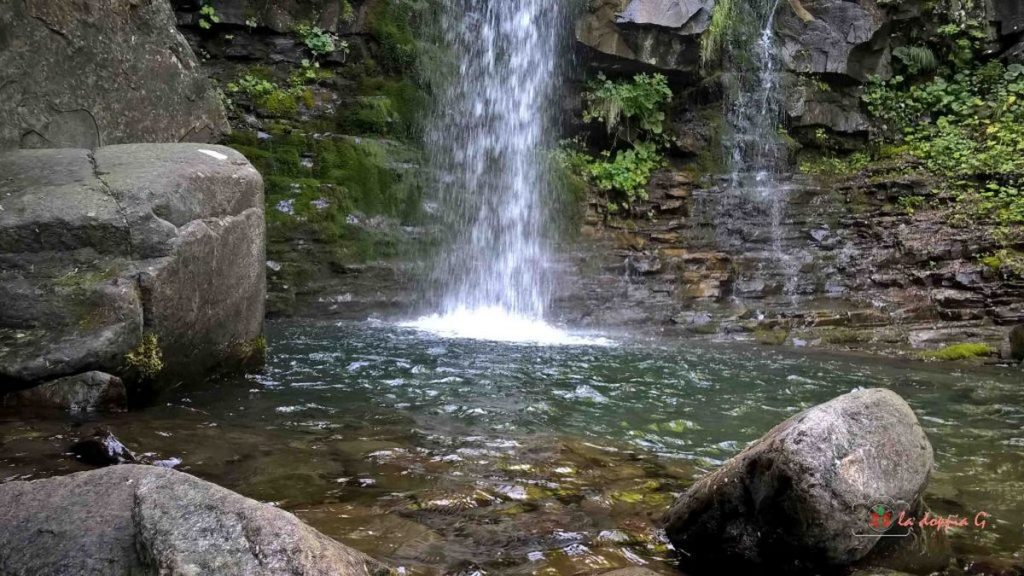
102	449
88	392
848	38
1016	339
640	34
88	74
147	520
796	498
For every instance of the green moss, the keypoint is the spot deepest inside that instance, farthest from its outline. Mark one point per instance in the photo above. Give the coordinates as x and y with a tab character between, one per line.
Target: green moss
146	359
771	336
279	104
960	352
388	21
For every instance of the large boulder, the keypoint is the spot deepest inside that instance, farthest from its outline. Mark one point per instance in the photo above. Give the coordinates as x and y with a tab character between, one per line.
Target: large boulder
645	34
97	248
132	519
800	497
88	73
843	38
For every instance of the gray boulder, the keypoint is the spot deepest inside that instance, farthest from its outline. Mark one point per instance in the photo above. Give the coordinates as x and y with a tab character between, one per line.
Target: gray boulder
144	520
86	392
95	246
645	34
82	74
800	497
849	38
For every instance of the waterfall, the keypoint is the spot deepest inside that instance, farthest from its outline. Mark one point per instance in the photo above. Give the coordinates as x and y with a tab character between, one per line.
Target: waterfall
487	143
753	101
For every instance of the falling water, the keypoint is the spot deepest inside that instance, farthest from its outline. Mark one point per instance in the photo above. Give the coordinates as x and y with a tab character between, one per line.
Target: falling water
487	142
754	110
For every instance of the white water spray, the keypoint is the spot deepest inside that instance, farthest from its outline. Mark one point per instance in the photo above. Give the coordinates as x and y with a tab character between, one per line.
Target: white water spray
487	144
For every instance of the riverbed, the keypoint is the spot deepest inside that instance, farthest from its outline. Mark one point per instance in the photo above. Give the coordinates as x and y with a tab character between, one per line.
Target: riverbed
443	455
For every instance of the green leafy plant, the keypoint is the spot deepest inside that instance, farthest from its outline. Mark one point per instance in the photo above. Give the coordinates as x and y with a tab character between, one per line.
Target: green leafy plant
631	110
967	129
320	42
208	17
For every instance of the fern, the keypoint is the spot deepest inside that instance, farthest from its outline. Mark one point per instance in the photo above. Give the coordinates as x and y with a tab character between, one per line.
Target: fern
713	40
917	59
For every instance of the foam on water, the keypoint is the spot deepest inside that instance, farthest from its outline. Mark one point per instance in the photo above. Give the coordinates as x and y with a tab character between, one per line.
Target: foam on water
498	325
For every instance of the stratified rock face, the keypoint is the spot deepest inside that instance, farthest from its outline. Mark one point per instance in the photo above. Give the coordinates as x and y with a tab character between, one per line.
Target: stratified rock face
801	496
88	73
97	246
146	520
845	38
638	34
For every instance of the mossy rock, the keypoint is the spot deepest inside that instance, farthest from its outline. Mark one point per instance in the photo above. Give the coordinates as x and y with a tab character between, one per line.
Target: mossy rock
771	336
963	351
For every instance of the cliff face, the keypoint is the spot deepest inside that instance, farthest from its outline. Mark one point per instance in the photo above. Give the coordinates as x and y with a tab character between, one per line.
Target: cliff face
85	74
872	255
324	100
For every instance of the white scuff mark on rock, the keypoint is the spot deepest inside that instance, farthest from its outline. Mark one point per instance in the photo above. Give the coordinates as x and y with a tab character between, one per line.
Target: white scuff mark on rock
213	154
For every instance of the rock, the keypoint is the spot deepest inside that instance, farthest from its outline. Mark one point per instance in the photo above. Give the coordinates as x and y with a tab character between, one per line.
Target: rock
87	392
634	35
1016	339
810	107
848	38
96	245
81	74
102	449
693	16
798	497
147	520
281	16
632	571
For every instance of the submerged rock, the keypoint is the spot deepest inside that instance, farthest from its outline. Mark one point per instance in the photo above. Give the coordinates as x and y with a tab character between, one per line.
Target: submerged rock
87	392
800	498
102	449
147	520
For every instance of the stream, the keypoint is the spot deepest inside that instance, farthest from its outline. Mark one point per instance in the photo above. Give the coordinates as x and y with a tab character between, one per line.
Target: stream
467	456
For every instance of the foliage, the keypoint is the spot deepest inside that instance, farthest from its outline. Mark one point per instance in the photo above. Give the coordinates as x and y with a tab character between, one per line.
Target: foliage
967	129
960	352
146	358
629	109
633	112
833	165
208	17
318	41
712	41
627	171
916	59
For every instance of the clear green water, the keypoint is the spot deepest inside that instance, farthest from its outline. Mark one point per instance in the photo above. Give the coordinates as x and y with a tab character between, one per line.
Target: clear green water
459	455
